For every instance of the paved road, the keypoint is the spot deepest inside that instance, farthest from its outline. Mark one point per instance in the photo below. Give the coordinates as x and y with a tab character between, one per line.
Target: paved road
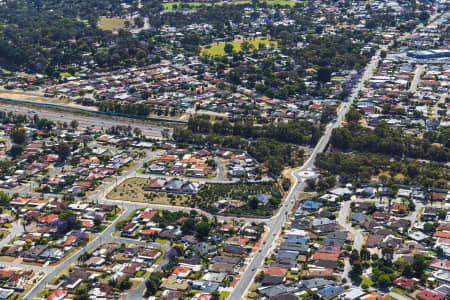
86	121
298	186
358	238
15	230
436	107
416	79
344	214
398	296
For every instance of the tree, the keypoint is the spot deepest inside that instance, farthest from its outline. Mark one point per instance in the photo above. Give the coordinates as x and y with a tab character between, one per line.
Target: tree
328	114
4	198
440	252
202	229
419	265
74	124
245	46
353	115
188	225
354	256
408	270
323	75
428	228
253	203
63	150
18	135
365	254
357	269
259	277
388	253
384	280
215	295
228	48
153	283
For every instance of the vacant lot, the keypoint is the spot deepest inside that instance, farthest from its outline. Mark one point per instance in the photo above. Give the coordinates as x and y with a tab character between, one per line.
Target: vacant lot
133	190
112	24
218	49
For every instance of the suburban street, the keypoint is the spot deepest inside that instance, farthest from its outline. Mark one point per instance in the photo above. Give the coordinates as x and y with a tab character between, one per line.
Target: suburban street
358	238
275	223
418	72
275	227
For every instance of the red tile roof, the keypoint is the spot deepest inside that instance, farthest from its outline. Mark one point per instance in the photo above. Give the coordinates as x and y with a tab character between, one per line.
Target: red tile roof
430	295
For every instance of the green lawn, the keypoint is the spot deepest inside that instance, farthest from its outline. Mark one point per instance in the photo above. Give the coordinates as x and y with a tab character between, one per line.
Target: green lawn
367	281
218	49
224	295
171	5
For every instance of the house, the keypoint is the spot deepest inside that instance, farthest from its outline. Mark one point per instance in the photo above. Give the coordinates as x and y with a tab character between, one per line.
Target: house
439	264
206	287
174	283
236	240
58	294
375	296
285	296
149	254
344	193
406	283
374	240
311	205
272	280
215	276
273	290
443	289
182	271
380	216
352	294
359	218
233	250
276	271
205	249
316	283
391	241
330	291
48	219
399	208
430	295
6	293
430	212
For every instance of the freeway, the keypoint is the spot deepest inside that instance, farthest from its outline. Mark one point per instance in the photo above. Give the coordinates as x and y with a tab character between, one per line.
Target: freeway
87	121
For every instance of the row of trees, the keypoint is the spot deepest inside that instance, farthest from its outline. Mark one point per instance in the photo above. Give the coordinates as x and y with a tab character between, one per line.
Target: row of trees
296	132
390	141
362	167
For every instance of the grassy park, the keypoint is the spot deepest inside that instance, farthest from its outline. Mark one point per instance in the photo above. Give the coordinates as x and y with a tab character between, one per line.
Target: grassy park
218	49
